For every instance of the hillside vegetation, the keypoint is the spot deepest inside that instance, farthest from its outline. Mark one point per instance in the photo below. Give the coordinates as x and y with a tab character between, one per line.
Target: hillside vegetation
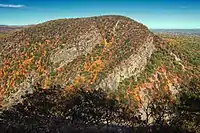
48	53
174	62
71	52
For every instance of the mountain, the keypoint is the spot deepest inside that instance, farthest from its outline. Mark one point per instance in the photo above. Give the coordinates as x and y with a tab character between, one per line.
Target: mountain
97	52
115	53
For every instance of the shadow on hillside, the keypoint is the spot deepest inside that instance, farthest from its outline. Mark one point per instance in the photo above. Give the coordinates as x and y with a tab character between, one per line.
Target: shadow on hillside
53	111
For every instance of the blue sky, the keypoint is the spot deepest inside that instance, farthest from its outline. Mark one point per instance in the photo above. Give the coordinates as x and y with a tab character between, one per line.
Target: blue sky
177	14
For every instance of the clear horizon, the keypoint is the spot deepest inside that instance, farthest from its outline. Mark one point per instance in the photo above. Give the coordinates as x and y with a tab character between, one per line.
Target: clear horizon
155	14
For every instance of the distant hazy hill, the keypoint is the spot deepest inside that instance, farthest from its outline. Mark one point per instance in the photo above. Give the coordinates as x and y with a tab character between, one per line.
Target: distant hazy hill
6	28
178	31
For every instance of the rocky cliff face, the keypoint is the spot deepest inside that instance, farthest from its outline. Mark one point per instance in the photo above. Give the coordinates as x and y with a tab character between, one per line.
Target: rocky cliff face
131	66
85	52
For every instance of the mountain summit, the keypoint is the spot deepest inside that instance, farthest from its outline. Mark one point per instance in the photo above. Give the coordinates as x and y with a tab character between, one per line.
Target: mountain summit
94	52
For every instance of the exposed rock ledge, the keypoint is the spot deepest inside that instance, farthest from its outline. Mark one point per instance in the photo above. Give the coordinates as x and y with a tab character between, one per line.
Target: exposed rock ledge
131	66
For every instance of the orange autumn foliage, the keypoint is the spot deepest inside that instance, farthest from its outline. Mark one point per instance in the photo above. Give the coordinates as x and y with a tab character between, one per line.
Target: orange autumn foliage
27	61
1	72
44	53
41	69
69	88
77	80
59	69
138	99
46	82
166	88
